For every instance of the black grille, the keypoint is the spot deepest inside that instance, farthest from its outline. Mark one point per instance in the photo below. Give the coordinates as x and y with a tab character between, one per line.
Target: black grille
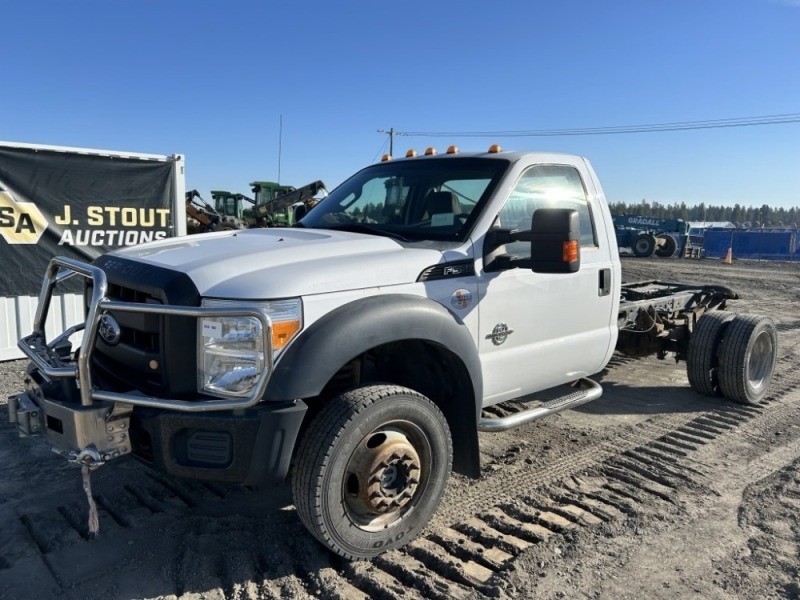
156	353
127	294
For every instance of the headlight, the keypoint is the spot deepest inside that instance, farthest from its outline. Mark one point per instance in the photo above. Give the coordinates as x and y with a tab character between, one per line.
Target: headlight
232	354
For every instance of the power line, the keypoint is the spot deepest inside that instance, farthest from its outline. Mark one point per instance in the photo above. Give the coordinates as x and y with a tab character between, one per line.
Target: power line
619	129
383	145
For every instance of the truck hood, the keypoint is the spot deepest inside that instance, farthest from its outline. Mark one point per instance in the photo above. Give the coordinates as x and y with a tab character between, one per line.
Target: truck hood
282	263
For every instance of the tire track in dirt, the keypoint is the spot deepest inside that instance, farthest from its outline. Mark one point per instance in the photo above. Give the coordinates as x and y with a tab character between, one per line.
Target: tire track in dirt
673	434
649	464
768	508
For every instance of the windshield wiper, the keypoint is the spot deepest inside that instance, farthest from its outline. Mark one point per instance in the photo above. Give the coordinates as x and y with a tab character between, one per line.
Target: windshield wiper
363	228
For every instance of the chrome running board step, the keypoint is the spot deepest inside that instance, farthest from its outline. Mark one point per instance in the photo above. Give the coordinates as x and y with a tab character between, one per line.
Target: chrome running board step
588	390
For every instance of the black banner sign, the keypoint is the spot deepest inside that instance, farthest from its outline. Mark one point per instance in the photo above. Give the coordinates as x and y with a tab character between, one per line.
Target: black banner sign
62	203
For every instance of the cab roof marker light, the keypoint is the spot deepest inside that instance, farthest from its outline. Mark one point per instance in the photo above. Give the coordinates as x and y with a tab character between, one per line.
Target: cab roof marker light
430	151
411	153
495	148
386	157
452	149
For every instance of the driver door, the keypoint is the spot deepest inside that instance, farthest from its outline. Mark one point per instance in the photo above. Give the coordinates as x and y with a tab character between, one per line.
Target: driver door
540	330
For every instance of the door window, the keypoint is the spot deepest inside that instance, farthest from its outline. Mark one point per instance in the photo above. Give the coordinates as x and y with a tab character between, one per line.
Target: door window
546	186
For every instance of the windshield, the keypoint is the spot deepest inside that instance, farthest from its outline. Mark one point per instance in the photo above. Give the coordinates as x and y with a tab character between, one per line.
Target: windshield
425	199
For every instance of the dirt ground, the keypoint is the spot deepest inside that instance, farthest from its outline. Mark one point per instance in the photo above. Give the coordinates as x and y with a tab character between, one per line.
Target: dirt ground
652	491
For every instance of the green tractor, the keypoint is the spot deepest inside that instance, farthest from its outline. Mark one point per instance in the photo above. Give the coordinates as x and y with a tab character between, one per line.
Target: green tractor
282	205
226	212
266	213
230	206
274	205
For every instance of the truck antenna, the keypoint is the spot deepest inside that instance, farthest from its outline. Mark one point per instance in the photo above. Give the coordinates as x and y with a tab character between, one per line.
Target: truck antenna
280	143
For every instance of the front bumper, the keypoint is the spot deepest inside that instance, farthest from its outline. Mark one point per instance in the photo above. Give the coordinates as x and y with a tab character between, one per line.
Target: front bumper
90	425
252	446
89	435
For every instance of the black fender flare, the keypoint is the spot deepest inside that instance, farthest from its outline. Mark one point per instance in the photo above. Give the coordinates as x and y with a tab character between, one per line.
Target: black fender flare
335	339
352	329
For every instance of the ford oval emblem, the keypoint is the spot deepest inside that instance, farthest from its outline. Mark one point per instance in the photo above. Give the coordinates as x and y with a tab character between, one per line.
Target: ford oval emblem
109	330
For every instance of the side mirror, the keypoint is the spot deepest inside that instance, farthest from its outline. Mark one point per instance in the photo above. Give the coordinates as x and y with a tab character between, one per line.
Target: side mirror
555	241
554	237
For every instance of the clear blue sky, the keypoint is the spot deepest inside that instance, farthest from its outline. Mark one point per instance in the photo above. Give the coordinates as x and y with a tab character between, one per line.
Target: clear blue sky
211	80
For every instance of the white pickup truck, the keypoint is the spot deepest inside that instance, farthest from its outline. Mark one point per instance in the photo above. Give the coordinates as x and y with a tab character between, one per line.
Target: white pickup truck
354	354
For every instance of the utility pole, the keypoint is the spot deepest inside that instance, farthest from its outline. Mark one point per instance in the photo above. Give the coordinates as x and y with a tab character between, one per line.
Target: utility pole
390	133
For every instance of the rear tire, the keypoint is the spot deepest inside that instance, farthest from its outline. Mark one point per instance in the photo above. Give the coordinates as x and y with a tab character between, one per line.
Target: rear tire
747	358
644	245
701	356
667	246
371	469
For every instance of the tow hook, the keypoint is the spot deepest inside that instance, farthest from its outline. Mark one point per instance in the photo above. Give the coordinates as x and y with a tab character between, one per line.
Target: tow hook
89	459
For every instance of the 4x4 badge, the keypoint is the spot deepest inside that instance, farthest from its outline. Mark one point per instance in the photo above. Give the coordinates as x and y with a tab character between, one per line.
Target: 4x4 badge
499	334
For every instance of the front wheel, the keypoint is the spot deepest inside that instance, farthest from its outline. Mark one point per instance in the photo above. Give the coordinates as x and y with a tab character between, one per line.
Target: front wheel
371	469
644	245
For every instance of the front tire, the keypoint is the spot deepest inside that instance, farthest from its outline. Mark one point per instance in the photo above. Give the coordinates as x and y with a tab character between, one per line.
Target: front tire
644	245
371	469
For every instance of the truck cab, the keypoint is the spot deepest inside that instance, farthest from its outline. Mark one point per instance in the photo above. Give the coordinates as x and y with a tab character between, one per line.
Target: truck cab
458	205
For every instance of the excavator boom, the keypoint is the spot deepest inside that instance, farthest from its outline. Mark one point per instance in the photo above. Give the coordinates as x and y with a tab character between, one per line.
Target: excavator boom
273	212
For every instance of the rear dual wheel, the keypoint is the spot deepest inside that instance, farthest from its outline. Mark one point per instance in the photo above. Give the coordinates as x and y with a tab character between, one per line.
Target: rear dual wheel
371	469
747	357
732	356
701	357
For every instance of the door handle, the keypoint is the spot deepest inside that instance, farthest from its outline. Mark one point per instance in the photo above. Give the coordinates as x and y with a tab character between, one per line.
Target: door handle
604	283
